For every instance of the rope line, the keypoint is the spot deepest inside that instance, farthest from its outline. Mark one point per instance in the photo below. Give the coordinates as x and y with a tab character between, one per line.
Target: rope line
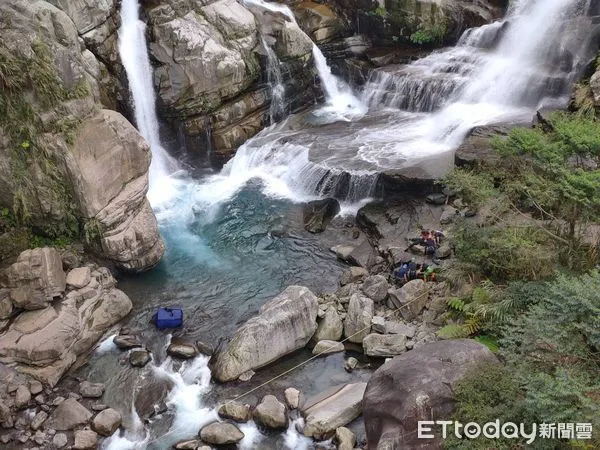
312	358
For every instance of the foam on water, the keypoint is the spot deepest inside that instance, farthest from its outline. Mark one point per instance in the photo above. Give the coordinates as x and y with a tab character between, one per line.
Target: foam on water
135	437
293	440
190	383
107	345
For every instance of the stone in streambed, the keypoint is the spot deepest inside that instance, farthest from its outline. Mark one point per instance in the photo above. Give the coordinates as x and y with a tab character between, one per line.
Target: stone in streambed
107	422
270	413
284	324
384	345
330	326
358	318
353	274
91	390
186	445
139	358
319	213
39	420
78	278
68	415
85	440
182	349
375	287
326	347
126	341
235	411
22	397
60	440
292	397
346	440
333	409
221	433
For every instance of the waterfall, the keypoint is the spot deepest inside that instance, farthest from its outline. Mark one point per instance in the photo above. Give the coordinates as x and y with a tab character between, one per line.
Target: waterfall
275	81
134	56
420	112
341	104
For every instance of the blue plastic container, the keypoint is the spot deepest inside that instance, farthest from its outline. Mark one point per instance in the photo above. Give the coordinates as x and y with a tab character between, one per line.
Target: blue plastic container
168	318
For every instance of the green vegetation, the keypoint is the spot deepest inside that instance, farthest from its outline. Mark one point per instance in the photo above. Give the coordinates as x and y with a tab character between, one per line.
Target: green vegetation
527	283
429	34
32	97
551	370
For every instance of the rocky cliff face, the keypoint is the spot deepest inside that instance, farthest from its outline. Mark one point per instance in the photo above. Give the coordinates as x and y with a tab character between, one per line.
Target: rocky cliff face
210	66
67	166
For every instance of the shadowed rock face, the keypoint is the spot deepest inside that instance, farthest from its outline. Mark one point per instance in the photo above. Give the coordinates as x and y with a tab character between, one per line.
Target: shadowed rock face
414	386
284	324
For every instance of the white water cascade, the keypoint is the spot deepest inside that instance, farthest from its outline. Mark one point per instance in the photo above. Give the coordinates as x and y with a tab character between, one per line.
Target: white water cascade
341	103
134	56
420	112
275	81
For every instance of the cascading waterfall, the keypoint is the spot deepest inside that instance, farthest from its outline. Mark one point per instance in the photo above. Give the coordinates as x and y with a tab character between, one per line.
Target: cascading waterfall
341	104
134	56
275	81
419	113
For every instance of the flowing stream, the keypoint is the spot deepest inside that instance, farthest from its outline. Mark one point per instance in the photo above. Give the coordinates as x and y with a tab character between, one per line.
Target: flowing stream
235	238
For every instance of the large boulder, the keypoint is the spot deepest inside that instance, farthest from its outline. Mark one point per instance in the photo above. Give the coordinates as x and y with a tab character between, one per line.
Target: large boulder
37	278
284	324
46	342
358	318
85	165
411	298
332	409
68	415
384	345
107	422
318	213
112	162
375	287
414	386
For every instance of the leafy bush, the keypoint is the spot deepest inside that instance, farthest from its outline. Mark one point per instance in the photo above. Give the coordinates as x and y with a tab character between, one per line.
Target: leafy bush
486	393
429	34
504	252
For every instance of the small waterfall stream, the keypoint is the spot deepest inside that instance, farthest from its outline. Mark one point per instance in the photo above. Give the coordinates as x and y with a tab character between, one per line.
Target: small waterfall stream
276	87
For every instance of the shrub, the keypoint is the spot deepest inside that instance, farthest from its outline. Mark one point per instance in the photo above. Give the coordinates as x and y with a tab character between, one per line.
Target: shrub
504	252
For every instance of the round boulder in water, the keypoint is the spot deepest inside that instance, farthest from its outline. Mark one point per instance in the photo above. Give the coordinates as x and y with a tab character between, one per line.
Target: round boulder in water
271	413
319	213
221	433
139	357
179	348
235	411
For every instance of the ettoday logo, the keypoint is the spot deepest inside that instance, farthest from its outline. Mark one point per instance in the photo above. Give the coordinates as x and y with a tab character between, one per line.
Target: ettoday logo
509	430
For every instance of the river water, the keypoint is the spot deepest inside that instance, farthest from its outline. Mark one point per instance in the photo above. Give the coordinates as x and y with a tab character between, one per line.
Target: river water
235	239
